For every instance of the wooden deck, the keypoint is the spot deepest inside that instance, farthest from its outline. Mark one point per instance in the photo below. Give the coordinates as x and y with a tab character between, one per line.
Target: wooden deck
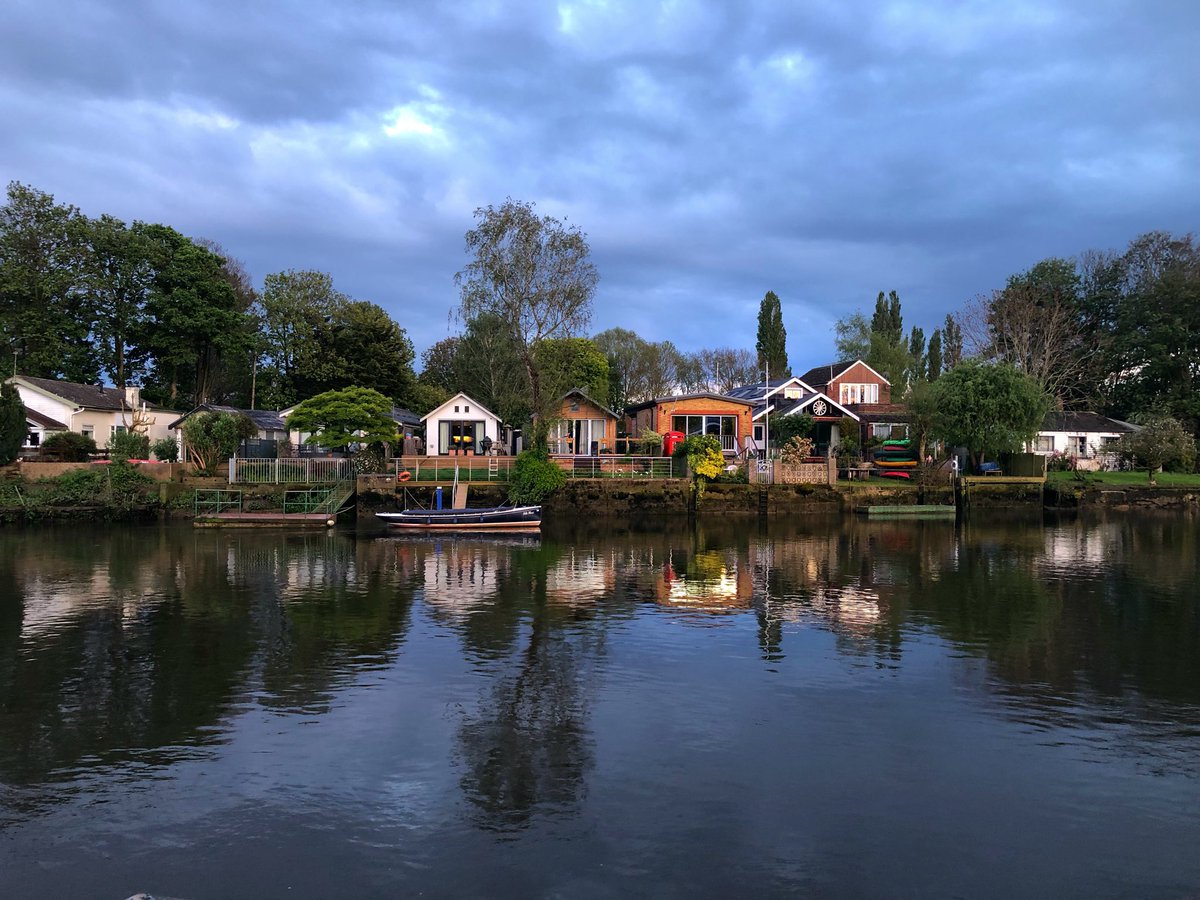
235	519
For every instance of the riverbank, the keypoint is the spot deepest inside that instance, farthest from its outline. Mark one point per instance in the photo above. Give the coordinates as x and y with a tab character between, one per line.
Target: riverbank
122	494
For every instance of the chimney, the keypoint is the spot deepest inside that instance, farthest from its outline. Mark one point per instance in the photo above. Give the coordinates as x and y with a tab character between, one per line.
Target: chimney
133	396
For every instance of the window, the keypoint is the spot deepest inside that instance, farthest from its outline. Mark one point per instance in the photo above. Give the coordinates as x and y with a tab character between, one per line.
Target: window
466	409
889	430
724	428
858	393
117	429
87	430
581	437
791	393
1044	443
34	439
461	436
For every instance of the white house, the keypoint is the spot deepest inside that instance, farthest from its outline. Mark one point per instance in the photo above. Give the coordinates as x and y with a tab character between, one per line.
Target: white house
93	410
460	426
1087	437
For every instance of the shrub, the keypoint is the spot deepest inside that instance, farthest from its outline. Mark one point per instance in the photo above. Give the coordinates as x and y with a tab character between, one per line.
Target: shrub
703	455
118	486
784	428
212	438
1160	443
129	445
650	443
797	450
1060	462
165	449
68	446
534	477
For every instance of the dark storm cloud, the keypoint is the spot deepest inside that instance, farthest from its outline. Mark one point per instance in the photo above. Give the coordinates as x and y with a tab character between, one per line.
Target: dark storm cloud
711	151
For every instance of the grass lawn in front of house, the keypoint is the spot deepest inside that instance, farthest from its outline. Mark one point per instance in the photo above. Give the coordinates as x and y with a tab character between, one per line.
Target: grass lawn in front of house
1126	479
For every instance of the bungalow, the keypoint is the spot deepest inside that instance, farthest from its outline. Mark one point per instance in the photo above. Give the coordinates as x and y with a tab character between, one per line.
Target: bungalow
460	426
793	397
725	417
93	410
40	426
584	427
1086	437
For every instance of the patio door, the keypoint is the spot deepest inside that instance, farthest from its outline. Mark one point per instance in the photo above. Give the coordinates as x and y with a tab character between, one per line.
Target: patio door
463	435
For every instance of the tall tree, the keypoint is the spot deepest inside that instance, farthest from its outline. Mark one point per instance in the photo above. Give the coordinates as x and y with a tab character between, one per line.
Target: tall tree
490	369
346	416
1036	324
118	273
933	356
952	343
916	354
44	319
771	344
534	274
360	346
294	307
439	364
194	324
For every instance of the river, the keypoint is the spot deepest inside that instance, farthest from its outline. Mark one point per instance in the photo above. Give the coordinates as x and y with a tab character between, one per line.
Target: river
817	708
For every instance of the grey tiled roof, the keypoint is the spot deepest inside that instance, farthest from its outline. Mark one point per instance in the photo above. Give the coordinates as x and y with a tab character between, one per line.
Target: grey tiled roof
1084	422
819	376
91	396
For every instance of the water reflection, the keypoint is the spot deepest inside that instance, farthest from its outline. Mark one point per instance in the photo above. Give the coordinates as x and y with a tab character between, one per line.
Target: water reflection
501	669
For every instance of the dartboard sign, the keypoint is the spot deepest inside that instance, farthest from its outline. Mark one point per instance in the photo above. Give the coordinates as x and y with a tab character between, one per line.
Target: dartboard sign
820	407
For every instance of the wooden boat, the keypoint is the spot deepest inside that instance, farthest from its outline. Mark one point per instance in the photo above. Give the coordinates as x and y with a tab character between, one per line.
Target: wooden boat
492	518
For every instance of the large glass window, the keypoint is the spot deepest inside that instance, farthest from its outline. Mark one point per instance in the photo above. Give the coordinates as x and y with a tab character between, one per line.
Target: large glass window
463	435
581	437
724	428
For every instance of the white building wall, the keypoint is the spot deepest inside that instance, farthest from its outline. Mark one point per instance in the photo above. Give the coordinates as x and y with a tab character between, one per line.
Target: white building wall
446	413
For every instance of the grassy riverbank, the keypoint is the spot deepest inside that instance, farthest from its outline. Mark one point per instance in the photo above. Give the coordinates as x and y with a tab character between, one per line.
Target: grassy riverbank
1125	479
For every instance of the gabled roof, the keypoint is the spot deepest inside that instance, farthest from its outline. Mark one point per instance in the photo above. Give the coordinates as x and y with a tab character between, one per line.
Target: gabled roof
1084	423
89	396
460	396
759	389
43	421
402	416
822	375
800	405
588	397
676	398
263	419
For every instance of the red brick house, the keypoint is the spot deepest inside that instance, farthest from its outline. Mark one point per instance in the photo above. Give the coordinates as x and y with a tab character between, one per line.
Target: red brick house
730	419
850	383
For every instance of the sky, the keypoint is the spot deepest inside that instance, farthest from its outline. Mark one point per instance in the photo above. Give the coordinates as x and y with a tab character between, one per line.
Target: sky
711	151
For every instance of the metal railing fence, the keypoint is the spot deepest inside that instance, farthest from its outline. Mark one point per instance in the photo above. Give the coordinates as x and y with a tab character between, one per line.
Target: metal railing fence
289	471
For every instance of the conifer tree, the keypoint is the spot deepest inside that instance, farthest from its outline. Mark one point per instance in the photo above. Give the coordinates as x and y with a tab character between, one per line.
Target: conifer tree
772	337
13	426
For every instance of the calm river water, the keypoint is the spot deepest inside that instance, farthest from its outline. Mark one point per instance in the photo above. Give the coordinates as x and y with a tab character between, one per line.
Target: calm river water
829	708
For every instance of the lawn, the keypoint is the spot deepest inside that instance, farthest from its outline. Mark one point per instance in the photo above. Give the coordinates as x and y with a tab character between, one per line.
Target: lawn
1128	479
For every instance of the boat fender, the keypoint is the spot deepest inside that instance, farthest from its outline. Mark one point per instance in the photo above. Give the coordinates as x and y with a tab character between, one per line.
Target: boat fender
404	476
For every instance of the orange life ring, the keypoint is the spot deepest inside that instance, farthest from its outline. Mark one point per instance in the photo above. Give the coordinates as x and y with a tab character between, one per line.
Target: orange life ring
404	476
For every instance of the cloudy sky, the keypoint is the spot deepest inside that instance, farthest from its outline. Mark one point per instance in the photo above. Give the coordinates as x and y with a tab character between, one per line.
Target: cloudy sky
823	149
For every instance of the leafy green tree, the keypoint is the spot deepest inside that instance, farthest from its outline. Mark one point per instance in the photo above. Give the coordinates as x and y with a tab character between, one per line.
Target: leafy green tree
293	309
1161	442
568	363
534	477
989	408
490	368
44	318
117	275
1145	304
439	365
213	437
534	274
361	346
771	343
427	397
853	337
887	324
637	369
347	416
921	405
13	426
194	324
784	428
